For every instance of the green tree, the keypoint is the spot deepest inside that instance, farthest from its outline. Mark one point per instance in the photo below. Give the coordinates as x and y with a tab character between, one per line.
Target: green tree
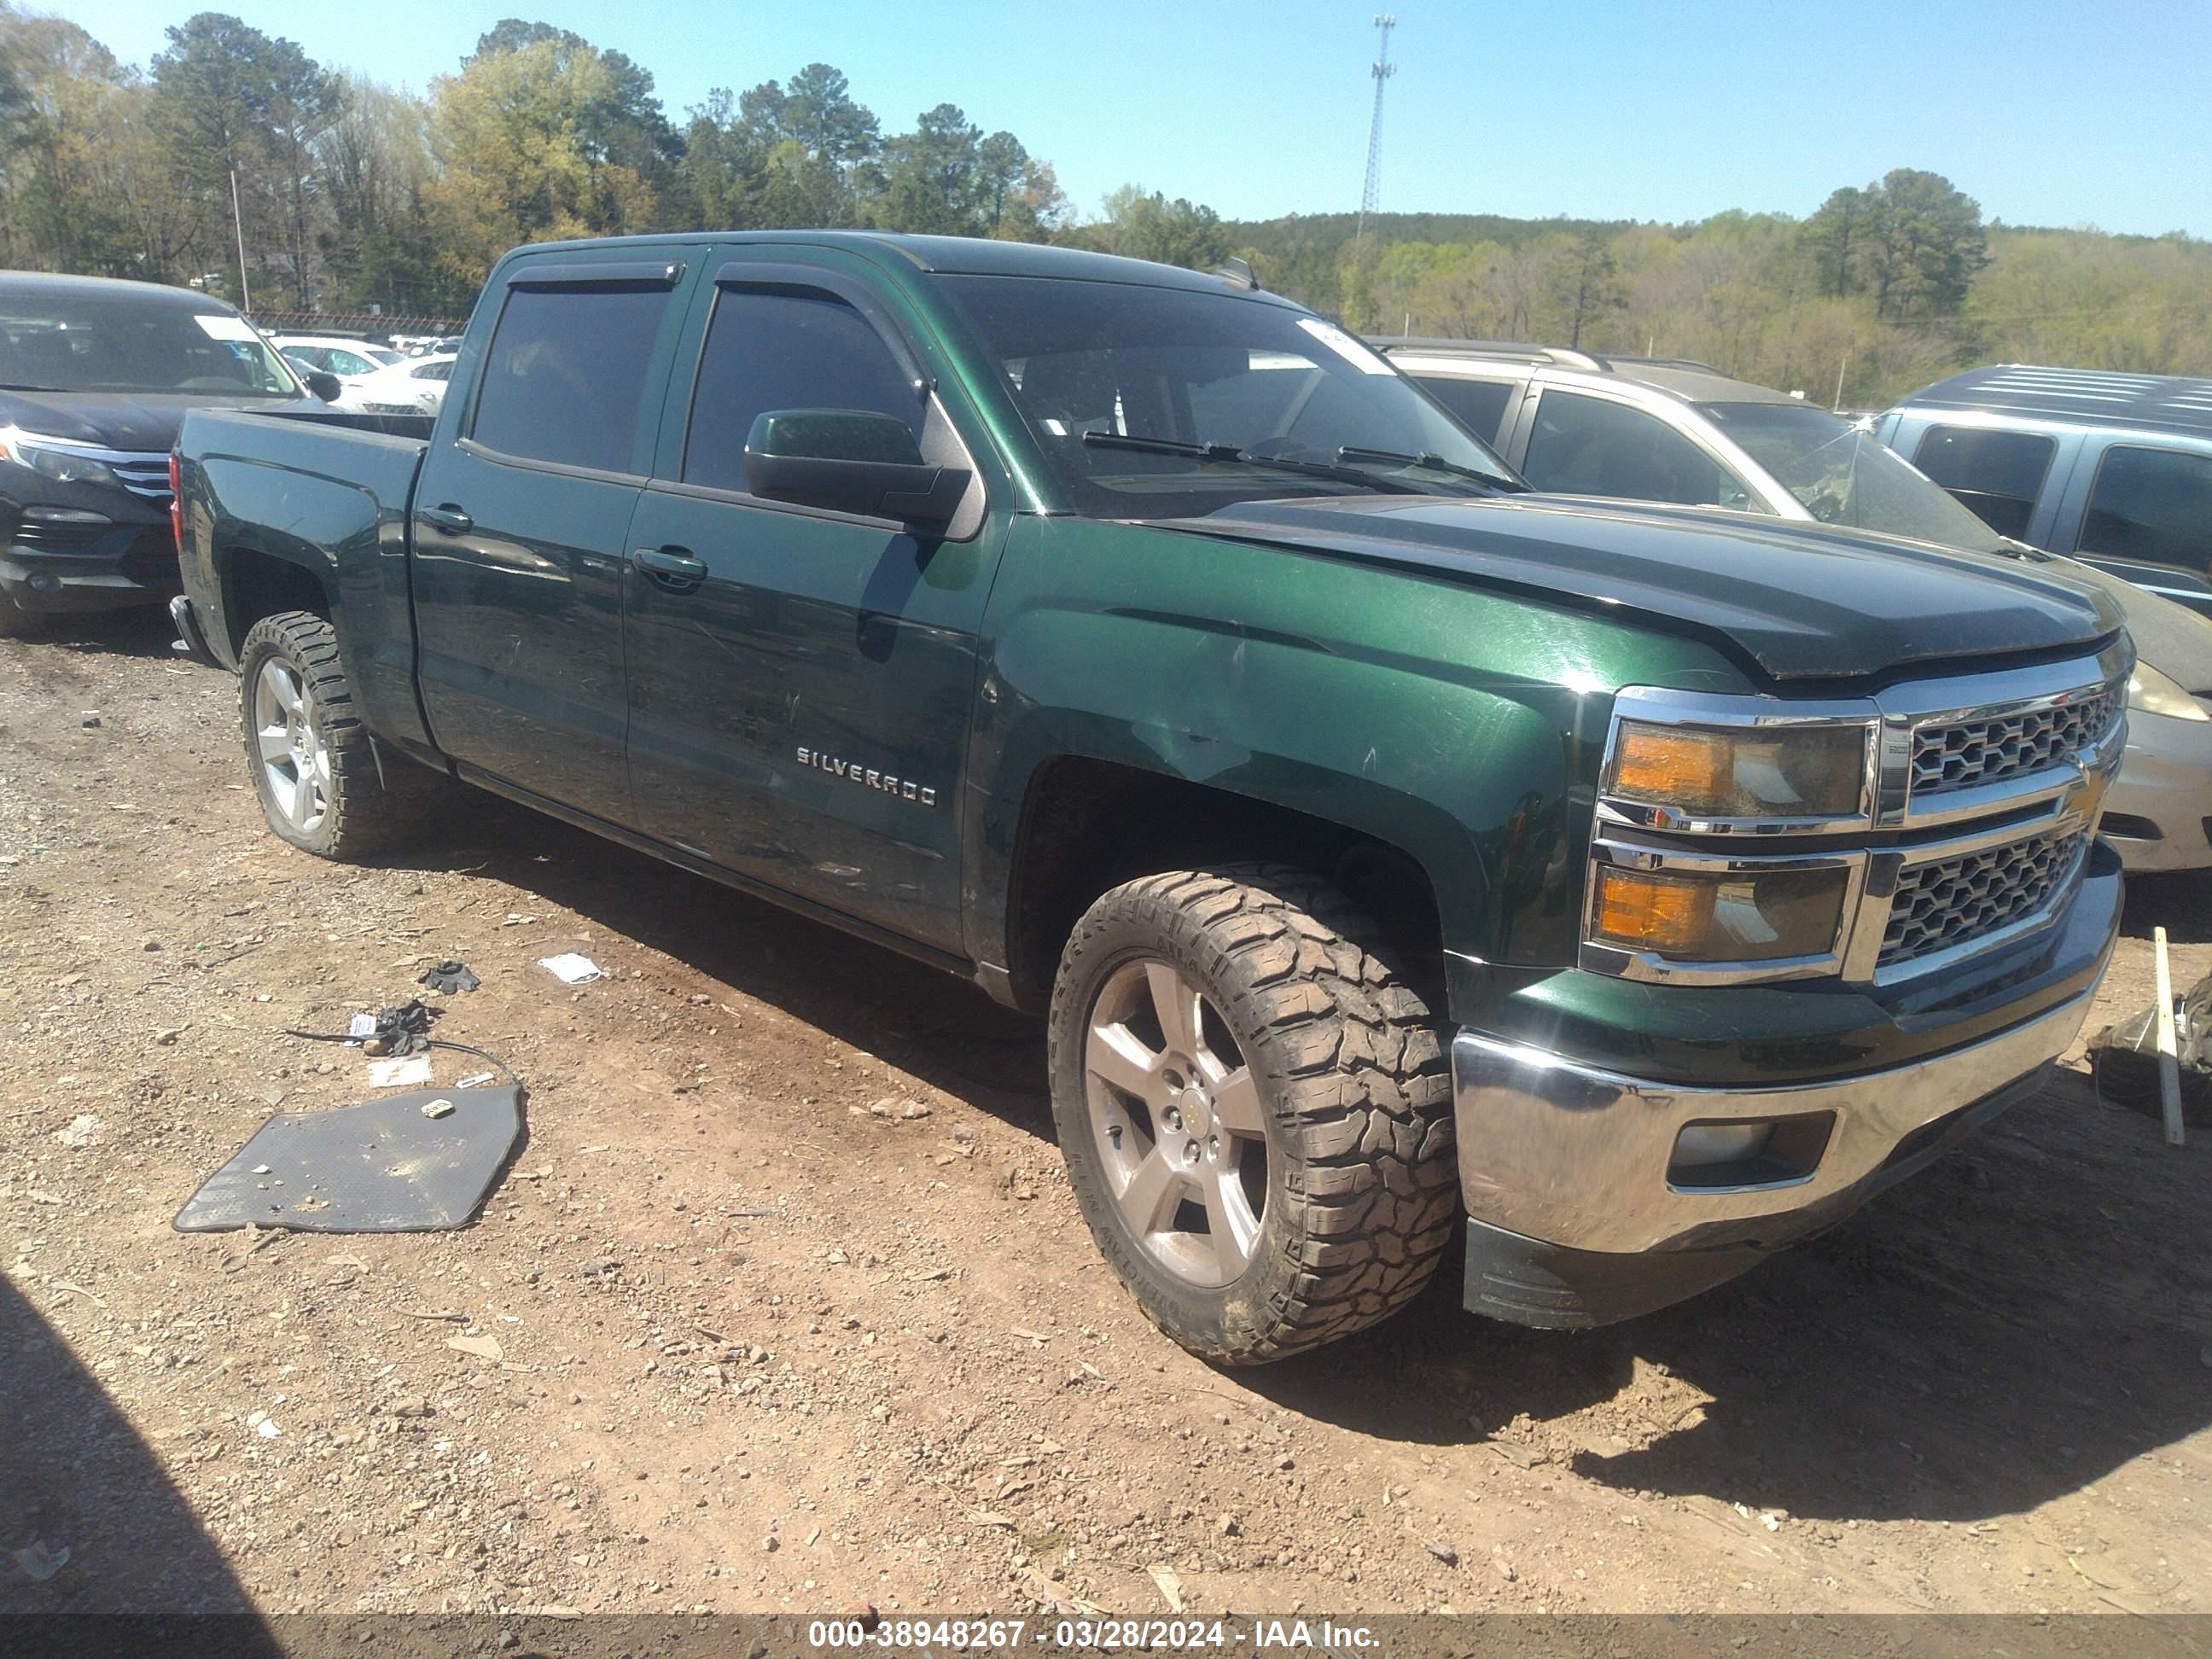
1585	285
1927	244
1143	224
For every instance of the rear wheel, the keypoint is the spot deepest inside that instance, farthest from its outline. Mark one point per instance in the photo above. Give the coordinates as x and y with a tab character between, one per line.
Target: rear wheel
1255	1108
322	785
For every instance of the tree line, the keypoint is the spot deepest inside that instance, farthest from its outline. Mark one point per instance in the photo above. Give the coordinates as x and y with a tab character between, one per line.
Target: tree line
1882	288
235	161
349	194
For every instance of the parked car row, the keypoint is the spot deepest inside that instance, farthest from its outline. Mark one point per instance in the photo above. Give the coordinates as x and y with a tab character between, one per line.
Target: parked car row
1668	430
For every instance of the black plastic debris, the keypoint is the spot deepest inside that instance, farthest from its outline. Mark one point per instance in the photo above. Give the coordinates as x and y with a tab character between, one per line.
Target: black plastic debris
385	1167
450	977
2123	1058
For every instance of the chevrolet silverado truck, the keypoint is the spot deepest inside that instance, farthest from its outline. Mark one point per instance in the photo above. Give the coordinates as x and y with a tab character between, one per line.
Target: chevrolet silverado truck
1379	841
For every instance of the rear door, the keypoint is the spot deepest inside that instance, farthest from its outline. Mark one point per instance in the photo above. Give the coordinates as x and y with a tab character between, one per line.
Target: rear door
522	520
801	680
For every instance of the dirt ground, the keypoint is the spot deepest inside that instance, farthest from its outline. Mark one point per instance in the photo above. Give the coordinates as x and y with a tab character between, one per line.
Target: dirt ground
793	1310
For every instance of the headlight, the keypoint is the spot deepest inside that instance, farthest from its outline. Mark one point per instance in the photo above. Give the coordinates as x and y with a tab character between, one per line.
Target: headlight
1722	915
53	458
2151	692
1817	772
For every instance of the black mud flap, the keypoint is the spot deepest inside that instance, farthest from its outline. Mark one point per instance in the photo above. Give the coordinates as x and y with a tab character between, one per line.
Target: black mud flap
384	1167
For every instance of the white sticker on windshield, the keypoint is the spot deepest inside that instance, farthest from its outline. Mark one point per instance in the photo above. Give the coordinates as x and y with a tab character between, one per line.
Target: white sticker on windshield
1344	346
216	326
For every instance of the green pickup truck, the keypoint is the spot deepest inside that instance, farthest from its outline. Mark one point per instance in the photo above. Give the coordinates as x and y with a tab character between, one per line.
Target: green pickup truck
1378	839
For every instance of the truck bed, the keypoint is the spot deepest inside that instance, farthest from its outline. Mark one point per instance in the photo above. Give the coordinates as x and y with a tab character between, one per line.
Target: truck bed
320	490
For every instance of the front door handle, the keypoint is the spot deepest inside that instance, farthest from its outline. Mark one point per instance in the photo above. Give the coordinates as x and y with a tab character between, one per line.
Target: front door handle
447	517
669	564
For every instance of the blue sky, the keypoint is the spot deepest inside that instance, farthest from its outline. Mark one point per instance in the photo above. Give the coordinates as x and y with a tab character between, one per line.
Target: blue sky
1664	109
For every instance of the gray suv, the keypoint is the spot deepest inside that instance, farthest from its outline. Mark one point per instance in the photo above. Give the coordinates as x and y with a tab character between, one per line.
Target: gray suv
2114	469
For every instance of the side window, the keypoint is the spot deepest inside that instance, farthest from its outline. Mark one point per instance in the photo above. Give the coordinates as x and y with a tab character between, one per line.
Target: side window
1478	405
770	349
312	356
344	362
2155	505
433	371
1997	475
565	377
1594	447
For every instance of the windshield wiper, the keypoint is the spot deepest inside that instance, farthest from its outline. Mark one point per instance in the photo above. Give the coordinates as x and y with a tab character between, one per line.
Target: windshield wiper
1434	463
1231	454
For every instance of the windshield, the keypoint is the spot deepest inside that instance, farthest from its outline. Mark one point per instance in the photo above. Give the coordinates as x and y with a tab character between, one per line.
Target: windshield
1250	381
1844	475
69	344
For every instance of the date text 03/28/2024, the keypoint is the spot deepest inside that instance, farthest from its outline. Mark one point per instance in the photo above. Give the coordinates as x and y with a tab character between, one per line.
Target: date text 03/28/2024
1102	1634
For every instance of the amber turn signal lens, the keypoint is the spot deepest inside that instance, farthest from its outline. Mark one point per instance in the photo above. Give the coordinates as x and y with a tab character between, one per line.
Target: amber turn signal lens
1657	765
1650	912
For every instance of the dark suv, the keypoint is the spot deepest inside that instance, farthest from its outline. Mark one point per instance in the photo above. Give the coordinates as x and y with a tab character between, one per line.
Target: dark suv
95	377
2114	469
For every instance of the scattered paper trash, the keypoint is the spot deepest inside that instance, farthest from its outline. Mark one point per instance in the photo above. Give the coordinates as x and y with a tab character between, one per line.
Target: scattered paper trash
267	1429
484	1347
476	1079
361	1026
41	1562
571	968
397	1073
441	1107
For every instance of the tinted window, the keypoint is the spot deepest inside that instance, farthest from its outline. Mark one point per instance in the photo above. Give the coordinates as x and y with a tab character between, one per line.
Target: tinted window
1480	405
345	362
121	341
2155	505
566	374
1997	474
770	349
433	372
1593	446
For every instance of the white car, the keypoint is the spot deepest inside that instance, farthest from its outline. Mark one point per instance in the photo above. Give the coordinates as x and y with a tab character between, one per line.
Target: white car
415	387
351	361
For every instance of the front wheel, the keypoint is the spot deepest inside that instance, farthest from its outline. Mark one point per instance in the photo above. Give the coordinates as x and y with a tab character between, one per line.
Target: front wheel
322	785
1255	1108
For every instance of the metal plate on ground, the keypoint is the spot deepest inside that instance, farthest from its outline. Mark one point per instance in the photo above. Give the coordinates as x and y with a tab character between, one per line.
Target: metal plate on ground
382	1167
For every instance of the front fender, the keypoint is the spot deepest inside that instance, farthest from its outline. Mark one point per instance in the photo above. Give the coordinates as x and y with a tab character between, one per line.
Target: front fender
1462	727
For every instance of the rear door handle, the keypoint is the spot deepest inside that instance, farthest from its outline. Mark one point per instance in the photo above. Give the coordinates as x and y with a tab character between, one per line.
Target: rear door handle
447	517
669	564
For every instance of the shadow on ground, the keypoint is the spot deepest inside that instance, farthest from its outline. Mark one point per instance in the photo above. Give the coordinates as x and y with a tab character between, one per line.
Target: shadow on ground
75	1477
143	630
2018	1321
2180	903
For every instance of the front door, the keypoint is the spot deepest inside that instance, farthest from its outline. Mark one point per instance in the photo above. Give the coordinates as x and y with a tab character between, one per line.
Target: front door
522	519
800	680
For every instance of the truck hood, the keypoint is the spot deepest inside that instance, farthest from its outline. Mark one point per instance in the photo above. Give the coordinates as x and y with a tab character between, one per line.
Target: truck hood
144	423
1801	601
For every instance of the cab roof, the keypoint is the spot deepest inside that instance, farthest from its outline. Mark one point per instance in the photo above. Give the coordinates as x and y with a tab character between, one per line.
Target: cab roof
975	256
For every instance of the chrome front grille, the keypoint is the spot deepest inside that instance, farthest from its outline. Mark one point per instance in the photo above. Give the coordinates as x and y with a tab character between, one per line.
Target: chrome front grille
1971	898
1990	748
142	475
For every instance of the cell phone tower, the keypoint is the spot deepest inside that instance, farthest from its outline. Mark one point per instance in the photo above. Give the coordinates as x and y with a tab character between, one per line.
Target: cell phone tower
1383	69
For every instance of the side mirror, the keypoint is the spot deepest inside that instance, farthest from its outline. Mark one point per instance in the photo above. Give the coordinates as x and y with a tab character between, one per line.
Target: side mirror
849	460
323	384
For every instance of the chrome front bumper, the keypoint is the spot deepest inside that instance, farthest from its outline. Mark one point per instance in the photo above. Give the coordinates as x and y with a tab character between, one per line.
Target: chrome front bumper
1578	1159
